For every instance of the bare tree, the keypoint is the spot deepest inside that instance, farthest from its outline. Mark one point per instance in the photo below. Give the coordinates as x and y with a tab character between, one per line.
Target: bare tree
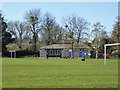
58	34
78	26
97	32
33	18
11	29
71	33
48	28
17	29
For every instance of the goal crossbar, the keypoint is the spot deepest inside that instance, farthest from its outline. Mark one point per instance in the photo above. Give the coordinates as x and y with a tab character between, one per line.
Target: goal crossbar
105	50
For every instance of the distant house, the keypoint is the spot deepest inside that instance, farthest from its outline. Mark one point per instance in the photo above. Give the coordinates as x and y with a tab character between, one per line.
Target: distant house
63	50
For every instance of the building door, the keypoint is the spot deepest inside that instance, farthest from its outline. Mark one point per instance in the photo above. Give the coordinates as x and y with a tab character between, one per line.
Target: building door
60	53
80	54
70	53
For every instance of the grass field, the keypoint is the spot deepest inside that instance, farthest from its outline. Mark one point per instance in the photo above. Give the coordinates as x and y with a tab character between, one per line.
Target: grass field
59	73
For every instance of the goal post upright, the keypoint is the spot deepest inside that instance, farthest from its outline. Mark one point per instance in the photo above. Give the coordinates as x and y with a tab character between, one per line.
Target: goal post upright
105	50
104	54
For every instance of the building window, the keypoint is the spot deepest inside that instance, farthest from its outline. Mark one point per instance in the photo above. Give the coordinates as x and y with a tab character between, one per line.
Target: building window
54	52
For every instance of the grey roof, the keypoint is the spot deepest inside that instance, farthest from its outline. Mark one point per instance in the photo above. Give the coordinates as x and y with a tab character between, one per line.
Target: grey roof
63	46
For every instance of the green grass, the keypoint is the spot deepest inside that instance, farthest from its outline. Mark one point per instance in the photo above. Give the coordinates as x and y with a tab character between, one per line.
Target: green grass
59	73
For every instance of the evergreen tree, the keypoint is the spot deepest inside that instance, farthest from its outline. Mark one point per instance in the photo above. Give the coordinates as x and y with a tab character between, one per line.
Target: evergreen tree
5	36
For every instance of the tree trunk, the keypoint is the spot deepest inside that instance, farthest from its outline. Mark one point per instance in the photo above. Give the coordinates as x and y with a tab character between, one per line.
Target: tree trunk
34	38
35	43
78	39
72	51
96	46
96	54
20	41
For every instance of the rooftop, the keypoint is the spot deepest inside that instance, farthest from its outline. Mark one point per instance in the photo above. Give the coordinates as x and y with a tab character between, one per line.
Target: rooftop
63	46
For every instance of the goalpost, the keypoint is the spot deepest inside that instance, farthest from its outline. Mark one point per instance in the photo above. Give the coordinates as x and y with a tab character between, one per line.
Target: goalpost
105	50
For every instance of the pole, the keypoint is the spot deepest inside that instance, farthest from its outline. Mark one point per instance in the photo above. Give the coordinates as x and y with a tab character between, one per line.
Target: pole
72	51
14	54
11	54
96	54
105	54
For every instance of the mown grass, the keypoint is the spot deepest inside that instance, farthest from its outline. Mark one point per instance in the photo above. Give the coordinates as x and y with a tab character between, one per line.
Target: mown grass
59	73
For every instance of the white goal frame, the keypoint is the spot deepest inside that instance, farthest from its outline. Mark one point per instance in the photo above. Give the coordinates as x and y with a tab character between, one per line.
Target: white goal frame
105	50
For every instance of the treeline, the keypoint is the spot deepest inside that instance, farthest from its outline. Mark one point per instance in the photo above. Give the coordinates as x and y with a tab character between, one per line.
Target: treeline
40	29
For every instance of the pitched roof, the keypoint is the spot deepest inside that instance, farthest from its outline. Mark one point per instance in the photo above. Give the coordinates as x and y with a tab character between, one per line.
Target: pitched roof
63	46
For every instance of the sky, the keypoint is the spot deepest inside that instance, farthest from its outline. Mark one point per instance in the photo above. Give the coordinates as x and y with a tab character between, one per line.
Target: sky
103	12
